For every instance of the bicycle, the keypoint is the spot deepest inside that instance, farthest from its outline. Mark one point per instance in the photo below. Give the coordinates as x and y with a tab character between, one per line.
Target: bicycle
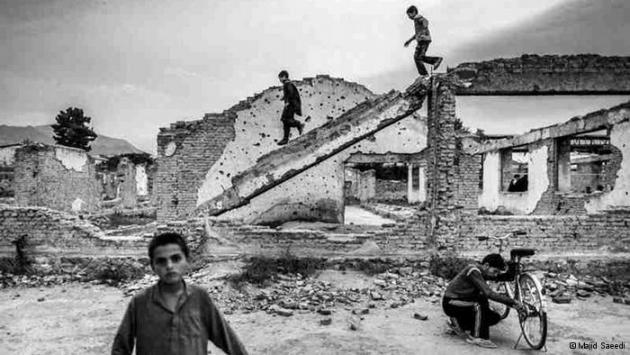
525	288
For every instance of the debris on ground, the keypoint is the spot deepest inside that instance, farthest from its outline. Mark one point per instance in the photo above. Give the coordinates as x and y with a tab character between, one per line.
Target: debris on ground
563	287
286	293
420	316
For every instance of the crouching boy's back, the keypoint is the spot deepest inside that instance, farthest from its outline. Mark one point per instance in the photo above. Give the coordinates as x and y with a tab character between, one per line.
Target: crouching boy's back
173	317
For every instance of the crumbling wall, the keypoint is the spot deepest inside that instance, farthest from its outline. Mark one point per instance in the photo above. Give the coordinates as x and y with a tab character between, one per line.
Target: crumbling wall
142	180
57	177
186	151
390	190
547	74
128	184
58	234
547	192
362	184
316	194
7	171
604	232
492	197
620	194
224	235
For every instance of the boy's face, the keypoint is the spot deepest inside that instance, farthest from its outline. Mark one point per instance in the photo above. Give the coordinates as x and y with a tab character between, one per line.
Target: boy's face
169	263
490	271
283	79
411	14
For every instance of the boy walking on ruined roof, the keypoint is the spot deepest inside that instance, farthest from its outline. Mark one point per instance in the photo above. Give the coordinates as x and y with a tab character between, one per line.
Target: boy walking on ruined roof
466	298
173	317
423	39
292	106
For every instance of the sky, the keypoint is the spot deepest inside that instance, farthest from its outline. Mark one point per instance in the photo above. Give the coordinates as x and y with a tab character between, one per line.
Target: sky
137	65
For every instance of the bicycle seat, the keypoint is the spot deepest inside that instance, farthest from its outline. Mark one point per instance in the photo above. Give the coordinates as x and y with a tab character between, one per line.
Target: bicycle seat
521	252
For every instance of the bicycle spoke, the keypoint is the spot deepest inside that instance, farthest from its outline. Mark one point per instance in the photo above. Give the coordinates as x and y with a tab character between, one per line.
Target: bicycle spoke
534	321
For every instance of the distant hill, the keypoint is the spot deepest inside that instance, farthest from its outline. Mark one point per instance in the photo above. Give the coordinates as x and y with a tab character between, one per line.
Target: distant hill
103	145
573	27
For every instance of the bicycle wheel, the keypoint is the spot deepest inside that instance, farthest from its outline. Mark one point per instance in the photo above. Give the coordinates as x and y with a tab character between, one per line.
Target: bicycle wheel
534	323
505	288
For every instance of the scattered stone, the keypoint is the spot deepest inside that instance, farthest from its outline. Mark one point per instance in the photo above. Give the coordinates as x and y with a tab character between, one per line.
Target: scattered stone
41	299
621	300
379	282
375	296
281	311
354	323
561	299
420	316
324	311
583	293
326	321
361	311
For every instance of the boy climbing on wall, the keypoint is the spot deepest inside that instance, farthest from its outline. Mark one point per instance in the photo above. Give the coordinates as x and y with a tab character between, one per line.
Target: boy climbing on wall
423	39
173	317
292	106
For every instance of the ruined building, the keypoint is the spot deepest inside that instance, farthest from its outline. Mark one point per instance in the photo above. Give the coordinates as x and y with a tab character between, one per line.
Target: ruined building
223	177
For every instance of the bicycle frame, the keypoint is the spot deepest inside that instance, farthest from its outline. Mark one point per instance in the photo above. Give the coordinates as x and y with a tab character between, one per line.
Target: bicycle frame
514	284
517	285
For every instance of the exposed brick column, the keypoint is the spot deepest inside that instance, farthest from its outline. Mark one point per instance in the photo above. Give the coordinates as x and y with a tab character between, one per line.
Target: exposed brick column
441	164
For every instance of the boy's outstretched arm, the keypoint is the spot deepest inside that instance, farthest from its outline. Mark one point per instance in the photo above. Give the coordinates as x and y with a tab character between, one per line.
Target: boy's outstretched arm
482	286
407	42
125	336
220	332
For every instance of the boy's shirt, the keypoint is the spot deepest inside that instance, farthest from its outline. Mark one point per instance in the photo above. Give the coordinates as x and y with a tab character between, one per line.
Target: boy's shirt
421	25
469	285
291	95
156	330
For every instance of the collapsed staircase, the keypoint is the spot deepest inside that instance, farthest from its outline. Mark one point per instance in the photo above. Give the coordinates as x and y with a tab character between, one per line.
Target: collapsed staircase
317	145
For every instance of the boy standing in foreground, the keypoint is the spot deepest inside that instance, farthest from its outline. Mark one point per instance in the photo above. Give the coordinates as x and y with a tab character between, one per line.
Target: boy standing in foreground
466	300
172	317
423	39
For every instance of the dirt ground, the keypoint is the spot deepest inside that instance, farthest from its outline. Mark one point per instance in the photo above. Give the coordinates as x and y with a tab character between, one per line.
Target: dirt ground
82	319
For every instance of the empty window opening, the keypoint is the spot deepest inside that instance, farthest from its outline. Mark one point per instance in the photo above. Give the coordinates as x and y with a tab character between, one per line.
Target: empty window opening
587	163
378	182
514	169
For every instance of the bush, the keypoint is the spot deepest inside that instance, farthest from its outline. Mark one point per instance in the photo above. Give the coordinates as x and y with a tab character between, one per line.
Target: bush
370	267
115	271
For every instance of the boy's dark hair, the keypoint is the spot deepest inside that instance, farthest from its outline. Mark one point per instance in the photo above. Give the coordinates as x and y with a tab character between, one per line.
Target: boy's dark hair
167	238
494	260
412	9
283	74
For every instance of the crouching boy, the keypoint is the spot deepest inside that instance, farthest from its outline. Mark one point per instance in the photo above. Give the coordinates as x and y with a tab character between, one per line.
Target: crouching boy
173	317
466	300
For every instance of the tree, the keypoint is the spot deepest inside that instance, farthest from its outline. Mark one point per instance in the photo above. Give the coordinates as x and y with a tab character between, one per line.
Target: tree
71	129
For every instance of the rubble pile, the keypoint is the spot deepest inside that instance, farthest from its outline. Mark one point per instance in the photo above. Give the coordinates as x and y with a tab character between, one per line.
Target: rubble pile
564	287
285	294
8	280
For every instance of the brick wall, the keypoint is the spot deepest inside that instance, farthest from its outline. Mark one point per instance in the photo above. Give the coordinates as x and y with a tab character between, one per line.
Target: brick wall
554	202
197	146
52	232
390	190
402	238
468	180
550	74
565	234
441	145
57	177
